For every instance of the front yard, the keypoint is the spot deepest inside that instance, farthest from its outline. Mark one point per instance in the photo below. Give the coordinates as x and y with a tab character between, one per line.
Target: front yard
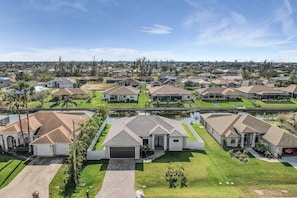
208	173
9	168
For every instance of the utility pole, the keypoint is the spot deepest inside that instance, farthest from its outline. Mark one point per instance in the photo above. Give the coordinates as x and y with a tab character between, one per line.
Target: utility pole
74	154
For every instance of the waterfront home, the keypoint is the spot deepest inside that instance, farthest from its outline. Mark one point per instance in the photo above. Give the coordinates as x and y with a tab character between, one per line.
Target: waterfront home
169	93
121	94
127	135
217	94
262	92
233	130
291	90
75	93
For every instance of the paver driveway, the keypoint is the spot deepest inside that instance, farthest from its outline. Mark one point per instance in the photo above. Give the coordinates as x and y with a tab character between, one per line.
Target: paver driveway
36	176
119	179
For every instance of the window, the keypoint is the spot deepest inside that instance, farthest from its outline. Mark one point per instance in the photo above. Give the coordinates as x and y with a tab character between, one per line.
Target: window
145	142
175	140
232	141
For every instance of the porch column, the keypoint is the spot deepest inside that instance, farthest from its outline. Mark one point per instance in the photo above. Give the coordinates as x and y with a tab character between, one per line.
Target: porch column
165	142
242	141
254	139
153	142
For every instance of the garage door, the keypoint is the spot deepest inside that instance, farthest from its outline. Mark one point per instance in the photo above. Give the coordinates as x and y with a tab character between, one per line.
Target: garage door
122	152
44	150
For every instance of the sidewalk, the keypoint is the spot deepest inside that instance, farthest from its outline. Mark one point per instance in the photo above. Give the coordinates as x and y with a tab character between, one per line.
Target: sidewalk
292	160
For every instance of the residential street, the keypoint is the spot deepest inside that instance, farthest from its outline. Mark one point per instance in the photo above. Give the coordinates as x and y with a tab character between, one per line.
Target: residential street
36	176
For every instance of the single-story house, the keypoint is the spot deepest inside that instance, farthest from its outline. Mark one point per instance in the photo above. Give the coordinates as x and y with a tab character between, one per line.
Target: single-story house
291	90
290	122
130	82
262	92
245	130
61	82
75	93
51	132
127	135
121	94
146	79
217	93
116	79
168	93
196	82
222	82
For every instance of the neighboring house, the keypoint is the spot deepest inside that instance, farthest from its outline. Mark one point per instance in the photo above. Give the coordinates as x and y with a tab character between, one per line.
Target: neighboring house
51	131
262	92
222	82
5	82
217	93
196	82
146	79
290	122
164	77
75	93
61	82
168	93
130	82
291	90
121	94
156	84
4	119
127	135
233	130
116	79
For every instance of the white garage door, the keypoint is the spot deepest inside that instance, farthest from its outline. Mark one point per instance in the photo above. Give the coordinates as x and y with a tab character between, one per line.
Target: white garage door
62	149
44	150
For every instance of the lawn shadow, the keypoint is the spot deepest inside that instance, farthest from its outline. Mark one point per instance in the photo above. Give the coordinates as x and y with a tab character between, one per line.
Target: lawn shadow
286	164
139	166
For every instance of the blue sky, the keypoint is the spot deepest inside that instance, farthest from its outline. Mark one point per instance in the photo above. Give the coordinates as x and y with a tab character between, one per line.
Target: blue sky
180	30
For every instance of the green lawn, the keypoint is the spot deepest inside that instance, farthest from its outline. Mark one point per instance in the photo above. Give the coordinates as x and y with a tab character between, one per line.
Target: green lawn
9	168
244	103
280	104
91	177
98	145
204	171
190	134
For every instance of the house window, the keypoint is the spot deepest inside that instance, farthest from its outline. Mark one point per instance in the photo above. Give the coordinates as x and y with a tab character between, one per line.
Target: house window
232	140
145	142
175	140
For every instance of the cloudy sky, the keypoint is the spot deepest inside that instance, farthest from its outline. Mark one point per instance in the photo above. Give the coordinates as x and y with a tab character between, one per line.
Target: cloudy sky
180	30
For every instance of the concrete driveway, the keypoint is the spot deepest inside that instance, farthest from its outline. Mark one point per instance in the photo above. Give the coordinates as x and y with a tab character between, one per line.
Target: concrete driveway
119	179
36	176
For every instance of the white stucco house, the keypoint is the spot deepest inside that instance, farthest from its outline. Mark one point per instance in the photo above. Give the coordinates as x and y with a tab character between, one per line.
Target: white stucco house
233	130
51	132
128	134
121	94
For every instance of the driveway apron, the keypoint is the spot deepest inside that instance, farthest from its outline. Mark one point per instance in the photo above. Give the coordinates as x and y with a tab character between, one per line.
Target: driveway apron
119	179
36	176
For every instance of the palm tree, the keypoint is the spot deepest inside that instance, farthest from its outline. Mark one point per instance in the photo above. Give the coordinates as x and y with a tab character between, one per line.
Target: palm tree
66	101
14	103
25	89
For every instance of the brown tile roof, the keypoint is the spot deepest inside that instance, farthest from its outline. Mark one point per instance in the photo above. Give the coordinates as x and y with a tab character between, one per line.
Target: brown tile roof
122	91
168	90
289	89
69	92
15	127
58	135
257	89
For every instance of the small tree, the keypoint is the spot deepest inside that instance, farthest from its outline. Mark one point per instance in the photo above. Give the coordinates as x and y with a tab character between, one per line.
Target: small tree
173	174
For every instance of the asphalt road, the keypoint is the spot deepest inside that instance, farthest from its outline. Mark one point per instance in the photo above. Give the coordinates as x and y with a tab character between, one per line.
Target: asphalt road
36	176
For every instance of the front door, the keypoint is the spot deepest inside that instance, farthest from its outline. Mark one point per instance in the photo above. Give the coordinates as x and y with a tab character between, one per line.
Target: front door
159	142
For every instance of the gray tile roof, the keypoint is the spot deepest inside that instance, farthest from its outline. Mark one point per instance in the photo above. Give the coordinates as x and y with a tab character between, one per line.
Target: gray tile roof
143	126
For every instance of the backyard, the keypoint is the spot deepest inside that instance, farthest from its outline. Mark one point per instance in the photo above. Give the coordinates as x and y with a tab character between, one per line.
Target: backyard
214	173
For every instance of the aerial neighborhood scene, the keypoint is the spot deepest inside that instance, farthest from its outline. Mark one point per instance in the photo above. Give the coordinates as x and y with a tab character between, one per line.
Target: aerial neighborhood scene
125	99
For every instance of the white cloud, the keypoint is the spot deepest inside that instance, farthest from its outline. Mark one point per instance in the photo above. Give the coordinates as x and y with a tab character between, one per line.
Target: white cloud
157	29
80	54
287	55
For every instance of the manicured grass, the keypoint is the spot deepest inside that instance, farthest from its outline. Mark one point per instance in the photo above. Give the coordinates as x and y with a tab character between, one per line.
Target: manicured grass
280	104
91	177
204	171
244	103
9	168
98	145
190	134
